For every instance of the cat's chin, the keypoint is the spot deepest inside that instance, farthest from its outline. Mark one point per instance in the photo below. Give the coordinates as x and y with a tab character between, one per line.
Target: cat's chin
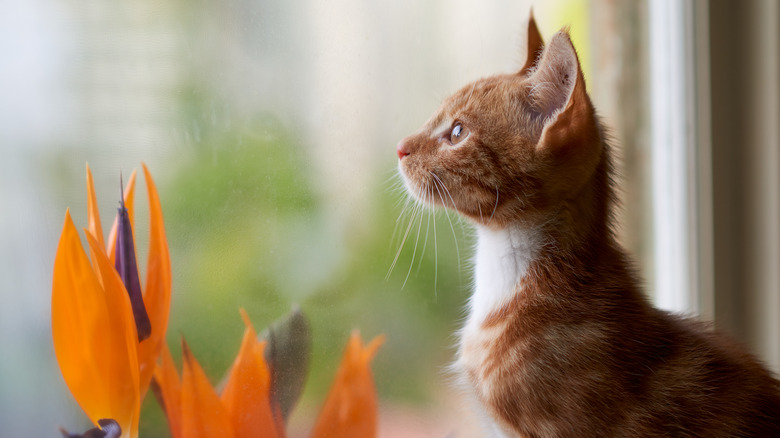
425	197
411	188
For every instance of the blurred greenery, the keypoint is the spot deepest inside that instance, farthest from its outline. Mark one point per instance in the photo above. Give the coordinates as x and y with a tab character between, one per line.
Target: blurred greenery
248	229
181	86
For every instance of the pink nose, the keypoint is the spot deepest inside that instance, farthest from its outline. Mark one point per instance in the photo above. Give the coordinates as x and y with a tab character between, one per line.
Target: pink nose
402	150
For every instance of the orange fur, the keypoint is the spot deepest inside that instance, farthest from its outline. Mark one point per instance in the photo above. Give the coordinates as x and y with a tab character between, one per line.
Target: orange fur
572	348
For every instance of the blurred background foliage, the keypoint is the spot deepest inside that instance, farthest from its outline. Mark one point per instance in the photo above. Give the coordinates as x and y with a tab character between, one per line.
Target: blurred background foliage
270	129
270	126
247	230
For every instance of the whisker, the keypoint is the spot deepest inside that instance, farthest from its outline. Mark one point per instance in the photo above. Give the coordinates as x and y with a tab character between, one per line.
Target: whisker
435	263
393	179
402	197
446	190
494	207
439	183
427	199
404	210
408	200
403	241
468	99
414	253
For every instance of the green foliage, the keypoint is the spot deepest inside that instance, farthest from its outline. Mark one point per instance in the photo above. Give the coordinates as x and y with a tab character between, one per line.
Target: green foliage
234	213
247	229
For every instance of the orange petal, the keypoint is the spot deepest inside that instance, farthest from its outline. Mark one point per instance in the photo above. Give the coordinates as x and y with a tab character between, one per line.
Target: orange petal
167	379
93	215
122	359
93	219
202	412
350	411
129	203
92	334
157	293
247	393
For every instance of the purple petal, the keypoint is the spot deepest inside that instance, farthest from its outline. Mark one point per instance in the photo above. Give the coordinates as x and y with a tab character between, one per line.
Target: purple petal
128	271
108	429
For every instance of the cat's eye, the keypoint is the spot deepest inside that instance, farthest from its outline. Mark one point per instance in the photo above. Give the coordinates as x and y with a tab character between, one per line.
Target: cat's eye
458	133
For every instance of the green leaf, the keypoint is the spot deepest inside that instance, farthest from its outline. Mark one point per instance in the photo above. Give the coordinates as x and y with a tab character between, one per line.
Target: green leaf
287	353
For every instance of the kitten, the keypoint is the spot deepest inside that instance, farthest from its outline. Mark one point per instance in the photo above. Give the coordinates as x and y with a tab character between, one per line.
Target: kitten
560	341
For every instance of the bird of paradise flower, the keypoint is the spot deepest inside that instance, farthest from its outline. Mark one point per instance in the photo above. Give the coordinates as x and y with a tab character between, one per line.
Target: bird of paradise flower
109	333
249	403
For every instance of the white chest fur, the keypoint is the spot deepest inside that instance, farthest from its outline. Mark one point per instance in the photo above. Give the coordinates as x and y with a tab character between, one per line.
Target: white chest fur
501	261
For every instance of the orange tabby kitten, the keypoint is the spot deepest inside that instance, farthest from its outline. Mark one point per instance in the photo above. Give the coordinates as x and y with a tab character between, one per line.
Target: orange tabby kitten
560	340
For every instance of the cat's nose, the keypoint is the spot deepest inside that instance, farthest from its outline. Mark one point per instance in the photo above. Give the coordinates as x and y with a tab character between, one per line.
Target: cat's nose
402	149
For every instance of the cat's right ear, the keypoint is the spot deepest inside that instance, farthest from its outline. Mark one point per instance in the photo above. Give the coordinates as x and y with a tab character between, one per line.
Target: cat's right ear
534	45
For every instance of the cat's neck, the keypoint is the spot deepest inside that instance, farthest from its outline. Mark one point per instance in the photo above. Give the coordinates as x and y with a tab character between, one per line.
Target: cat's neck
562	244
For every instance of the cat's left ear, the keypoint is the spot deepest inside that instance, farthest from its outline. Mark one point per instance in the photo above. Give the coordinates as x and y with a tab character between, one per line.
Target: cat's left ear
534	46
558	97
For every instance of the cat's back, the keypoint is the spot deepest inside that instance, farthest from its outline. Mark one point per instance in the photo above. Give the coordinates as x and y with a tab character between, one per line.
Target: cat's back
703	384
613	366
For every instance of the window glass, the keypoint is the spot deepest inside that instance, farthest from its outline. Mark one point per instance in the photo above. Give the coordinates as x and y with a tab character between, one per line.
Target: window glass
270	128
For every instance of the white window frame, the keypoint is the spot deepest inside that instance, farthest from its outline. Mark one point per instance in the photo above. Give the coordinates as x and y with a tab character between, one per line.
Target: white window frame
681	156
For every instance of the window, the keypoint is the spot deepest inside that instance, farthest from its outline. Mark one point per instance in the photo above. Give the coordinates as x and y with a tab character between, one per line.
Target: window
270	128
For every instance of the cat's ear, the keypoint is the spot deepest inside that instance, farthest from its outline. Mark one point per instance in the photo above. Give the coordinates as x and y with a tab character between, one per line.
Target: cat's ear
534	45
558	96
557	77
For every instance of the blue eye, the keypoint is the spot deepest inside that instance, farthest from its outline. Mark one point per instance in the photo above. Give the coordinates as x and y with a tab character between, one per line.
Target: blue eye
458	133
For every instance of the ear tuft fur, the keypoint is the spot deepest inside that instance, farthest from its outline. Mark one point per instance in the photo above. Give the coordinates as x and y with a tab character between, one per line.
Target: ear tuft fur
552	82
534	46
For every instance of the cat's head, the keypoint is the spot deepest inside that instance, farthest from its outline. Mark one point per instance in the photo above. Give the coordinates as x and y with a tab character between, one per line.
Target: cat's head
510	147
